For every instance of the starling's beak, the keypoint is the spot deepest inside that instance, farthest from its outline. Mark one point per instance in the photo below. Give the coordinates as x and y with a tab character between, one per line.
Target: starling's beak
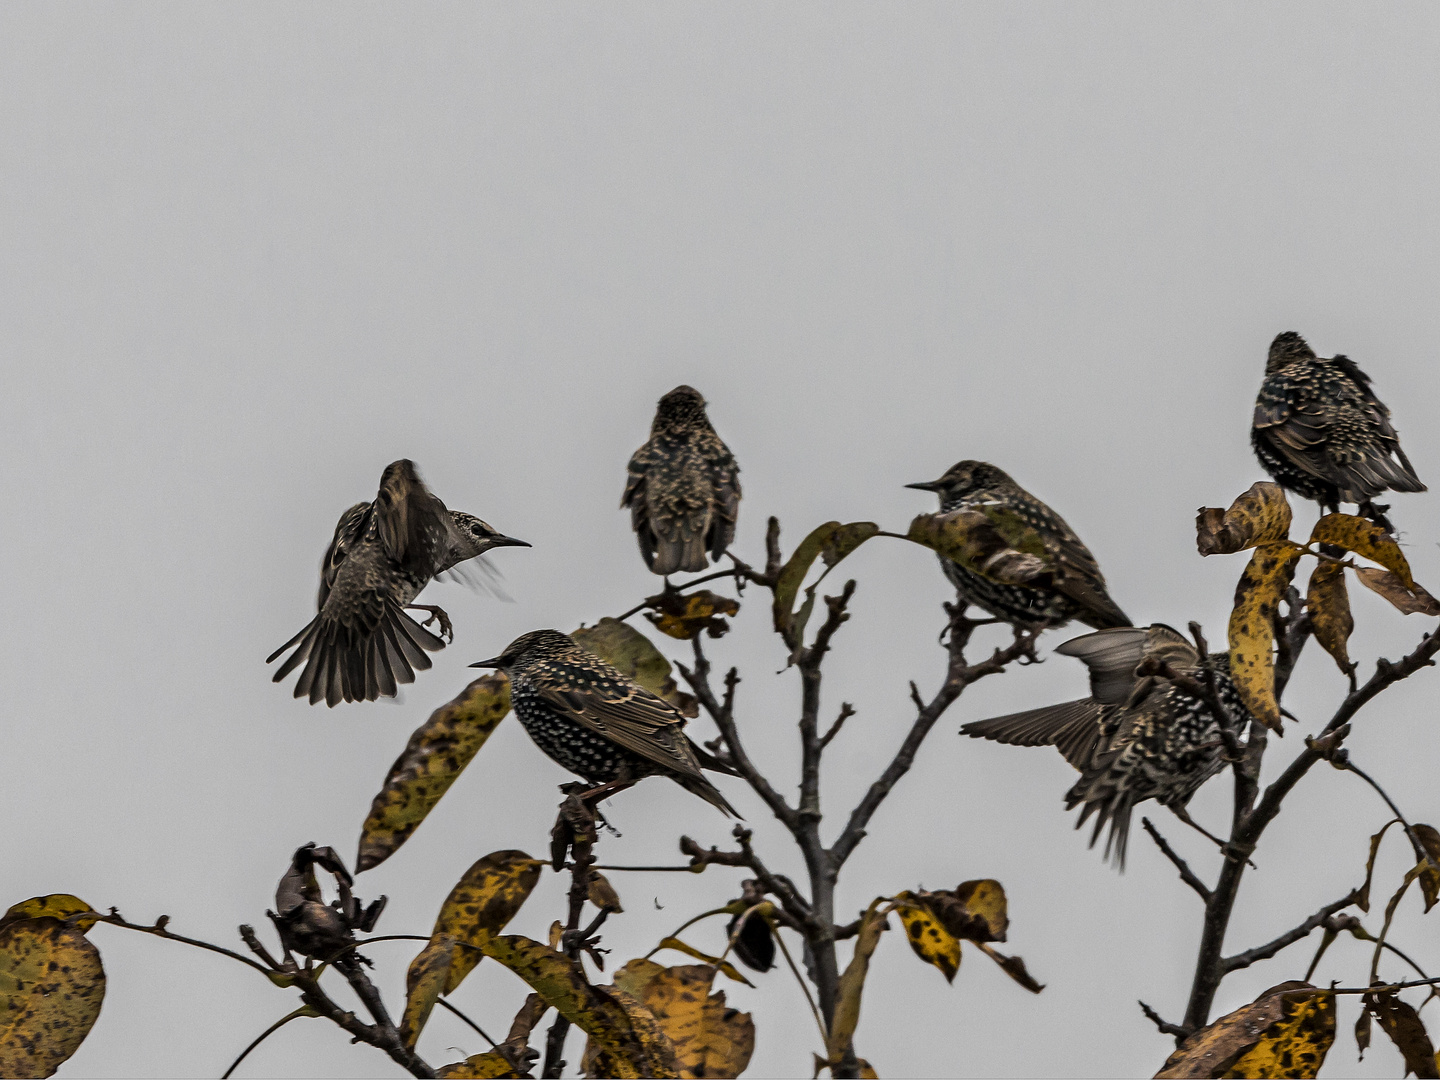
933	485
493	661
508	541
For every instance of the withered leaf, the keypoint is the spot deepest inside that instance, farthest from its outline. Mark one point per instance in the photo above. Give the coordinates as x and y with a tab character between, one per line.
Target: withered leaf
972	911
1426	870
846	539
1364	537
51	986
1402	1023
434	757
972	539
1362	898
714	961
480	905
60	906
602	894
1407	601
491	1064
929	940
632	653
423	982
1013	966
1328	603
1285	1032
1362	1034
852	983
1252	628
755	946
832	540
683	615
1260	516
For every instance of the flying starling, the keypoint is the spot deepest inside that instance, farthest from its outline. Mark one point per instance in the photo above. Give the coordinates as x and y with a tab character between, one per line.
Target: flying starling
1062	580
361	644
1147	730
598	723
684	488
1320	431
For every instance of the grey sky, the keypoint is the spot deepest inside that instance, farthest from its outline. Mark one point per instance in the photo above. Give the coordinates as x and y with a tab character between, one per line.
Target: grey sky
254	253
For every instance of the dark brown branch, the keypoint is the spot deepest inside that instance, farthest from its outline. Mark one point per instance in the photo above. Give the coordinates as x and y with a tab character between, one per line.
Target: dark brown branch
778	885
158	930
1186	874
1180	1033
846	711
1269	949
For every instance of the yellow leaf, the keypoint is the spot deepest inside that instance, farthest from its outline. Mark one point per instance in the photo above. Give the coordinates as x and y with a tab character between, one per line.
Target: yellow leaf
852	983
683	615
1407	601
867	1071
710	1040
1285	1032
1364	537
423	982
1252	627
930	941
1328	603
432	760
972	911
1260	516
623	1030
623	647
714	961
480	905
970	538
602	894
60	906
479	1067
51	986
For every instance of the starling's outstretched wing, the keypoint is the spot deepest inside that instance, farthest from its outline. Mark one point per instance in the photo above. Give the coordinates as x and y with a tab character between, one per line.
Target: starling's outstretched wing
630	716
1074	728
414	526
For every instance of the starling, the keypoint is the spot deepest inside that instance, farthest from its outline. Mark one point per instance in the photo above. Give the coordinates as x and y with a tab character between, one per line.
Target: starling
361	644
1147	730
1070	585
684	488
1320	431
598	723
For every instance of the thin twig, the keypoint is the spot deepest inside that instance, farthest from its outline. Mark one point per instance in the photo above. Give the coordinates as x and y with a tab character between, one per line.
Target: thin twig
1269	949
441	1001
304	1010
1165	1027
809	1000
1186	874
846	711
158	930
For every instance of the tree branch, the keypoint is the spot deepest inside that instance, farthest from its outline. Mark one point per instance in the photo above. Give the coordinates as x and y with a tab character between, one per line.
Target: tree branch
1266	951
1186	874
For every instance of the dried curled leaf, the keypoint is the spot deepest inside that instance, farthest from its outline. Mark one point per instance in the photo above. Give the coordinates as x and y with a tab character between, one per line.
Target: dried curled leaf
1328	603
1362	898
60	906
432	760
683	615
867	1071
714	961
852	983
709	1038
832	540
1260	516
1364	537
423	982
51	986
1408	601
930	941
623	647
622	1029
971	538
491	1064
1285	1032
1252	627
1013	966
972	911
480	905
755	945
1407	1031
1425	869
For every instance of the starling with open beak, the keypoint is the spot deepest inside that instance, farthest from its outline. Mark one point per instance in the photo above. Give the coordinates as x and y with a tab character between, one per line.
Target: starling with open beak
362	644
683	489
1061	579
598	723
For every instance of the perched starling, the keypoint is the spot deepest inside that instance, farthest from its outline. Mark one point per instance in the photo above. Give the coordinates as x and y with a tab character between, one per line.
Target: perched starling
1139	735
1320	431
1069	584
684	488
597	722
361	644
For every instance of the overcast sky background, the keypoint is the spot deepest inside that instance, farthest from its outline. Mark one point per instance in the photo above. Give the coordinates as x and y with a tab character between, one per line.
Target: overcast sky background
254	253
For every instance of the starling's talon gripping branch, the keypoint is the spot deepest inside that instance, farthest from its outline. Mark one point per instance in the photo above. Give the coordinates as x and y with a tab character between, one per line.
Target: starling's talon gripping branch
437	614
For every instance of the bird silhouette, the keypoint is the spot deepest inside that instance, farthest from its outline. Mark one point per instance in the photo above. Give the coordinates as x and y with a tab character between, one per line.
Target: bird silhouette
361	644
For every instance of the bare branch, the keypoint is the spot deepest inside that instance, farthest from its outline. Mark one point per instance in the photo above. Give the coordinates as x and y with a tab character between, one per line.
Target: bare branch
1180	1033
1266	951
1186	874
158	930
778	885
846	711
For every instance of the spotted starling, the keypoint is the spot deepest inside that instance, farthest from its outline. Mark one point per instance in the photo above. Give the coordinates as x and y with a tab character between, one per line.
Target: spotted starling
361	644
1320	431
1141	734
598	723
1072	586
684	488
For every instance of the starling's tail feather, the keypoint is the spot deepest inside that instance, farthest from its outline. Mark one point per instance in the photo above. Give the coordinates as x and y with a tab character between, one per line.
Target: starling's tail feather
698	785
1116	811
681	554
348	664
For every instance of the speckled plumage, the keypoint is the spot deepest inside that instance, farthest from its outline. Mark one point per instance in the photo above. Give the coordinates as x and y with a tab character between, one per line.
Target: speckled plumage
1135	737
1321	432
361	644
683	488
1074	588
597	722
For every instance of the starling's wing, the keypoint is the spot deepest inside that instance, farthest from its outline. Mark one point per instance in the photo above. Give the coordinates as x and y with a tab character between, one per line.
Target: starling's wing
1074	728
1112	656
634	498
415	528
348	531
725	476
479	575
1368	456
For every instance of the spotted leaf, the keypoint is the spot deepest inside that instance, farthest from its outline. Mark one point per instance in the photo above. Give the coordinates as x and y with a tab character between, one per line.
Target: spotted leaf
480	905
1260	516
1252	627
51	986
1285	1032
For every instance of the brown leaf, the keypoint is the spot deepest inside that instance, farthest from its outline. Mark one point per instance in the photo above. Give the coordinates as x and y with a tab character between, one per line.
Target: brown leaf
1285	1032
973	910
1252	628
1407	601
1362	898
1426	870
1406	1030
432	760
683	615
490	1064
423	982
623	647
1362	1034
1328	602
1014	967
51	986
480	905
930	941
725	966
1364	537
852	983
1261	515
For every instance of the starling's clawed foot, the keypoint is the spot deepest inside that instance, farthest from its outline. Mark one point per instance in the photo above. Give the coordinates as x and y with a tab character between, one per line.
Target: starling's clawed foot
1376	513
447	631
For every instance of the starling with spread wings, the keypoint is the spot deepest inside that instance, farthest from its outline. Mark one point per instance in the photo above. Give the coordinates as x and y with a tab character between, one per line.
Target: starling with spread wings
1140	734
1320	431
683	489
1009	553
362	644
598	723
